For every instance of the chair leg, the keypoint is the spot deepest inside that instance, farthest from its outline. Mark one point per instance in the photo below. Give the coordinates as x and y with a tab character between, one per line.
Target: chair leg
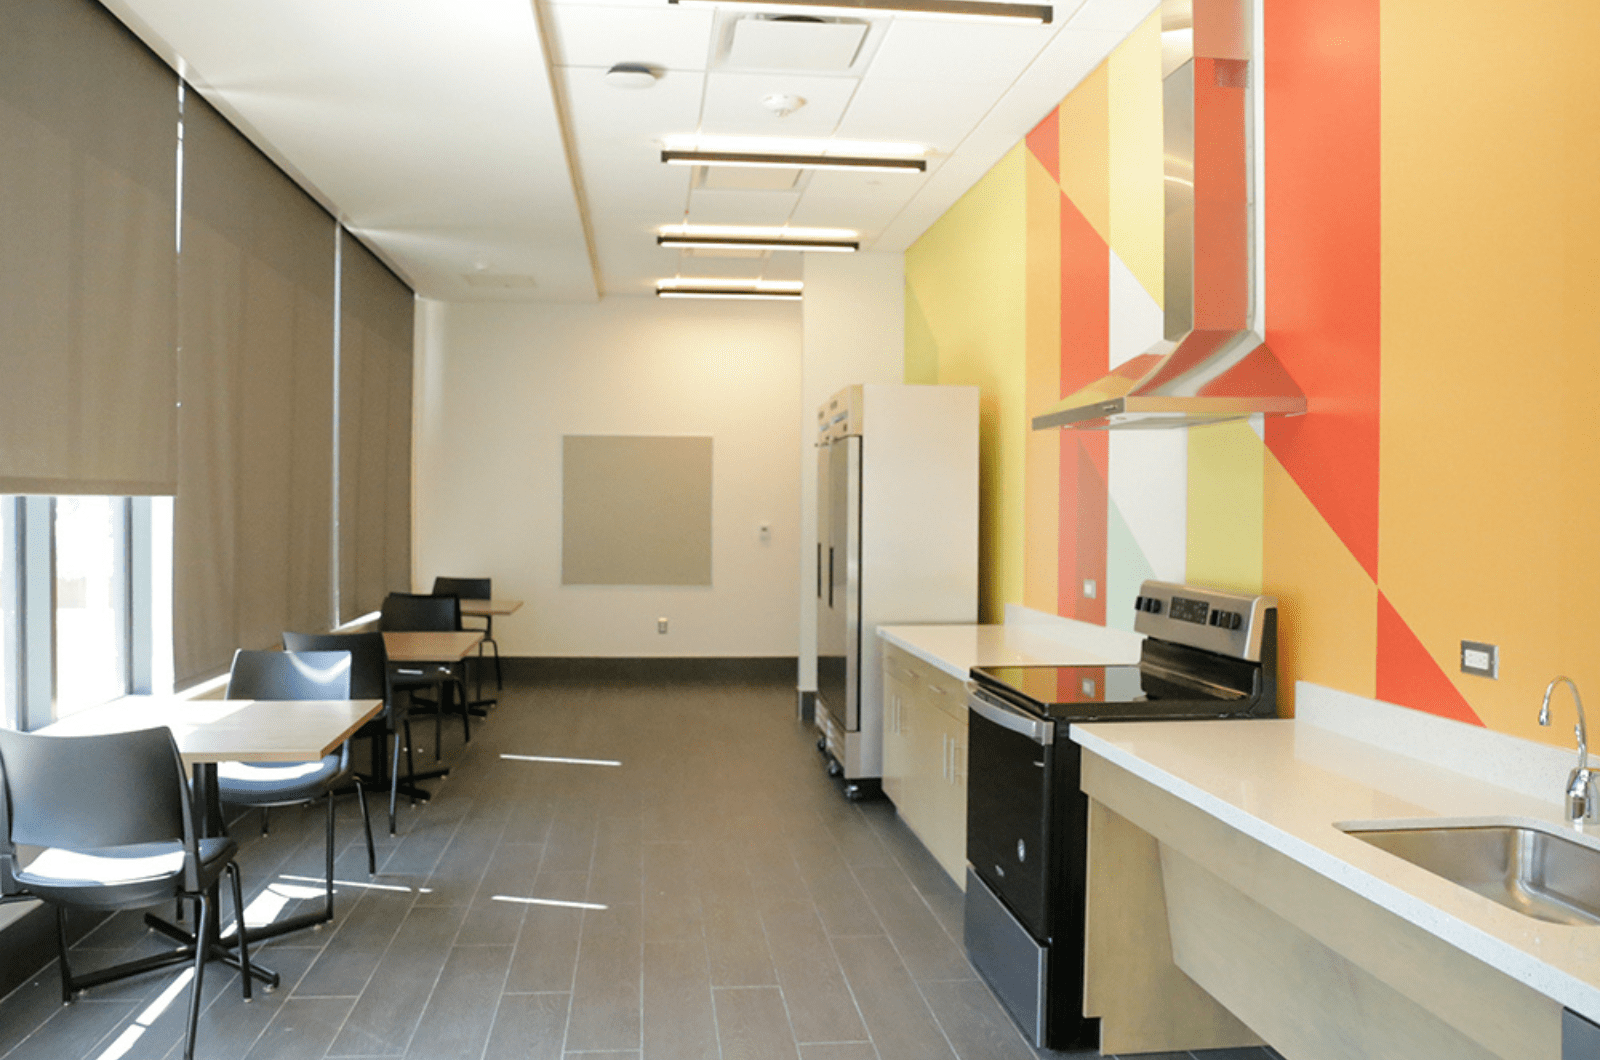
366	823
328	910
61	945
438	727
266	818
202	946
394	778
411	764
466	711
232	870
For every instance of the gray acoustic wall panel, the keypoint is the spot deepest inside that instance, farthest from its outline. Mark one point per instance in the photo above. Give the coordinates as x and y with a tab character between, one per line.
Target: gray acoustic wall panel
636	510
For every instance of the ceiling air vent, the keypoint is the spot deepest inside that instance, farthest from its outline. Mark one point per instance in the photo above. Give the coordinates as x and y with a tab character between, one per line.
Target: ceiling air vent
795	42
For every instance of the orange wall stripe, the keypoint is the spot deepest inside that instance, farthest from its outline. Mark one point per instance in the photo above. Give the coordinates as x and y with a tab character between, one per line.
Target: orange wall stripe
1321	198
1045	144
1408	675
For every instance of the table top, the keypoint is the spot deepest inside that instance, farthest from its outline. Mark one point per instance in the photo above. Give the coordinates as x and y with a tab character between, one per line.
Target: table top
430	647
231	730
490	607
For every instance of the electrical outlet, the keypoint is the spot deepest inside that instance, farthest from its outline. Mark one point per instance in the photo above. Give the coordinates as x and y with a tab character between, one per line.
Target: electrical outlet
1482	660
1090	588
661	625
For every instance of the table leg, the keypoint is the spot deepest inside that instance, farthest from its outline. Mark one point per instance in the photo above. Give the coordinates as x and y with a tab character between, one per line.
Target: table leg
208	806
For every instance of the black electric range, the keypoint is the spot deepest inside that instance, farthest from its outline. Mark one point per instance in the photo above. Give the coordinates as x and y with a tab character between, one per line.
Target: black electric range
1206	655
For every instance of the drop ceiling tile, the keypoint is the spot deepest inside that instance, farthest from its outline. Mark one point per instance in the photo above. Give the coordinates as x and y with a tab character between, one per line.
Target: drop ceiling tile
956	53
785	267
746	178
866	215
673	37
1115	16
604	114
790	44
936	113
741	207
733	104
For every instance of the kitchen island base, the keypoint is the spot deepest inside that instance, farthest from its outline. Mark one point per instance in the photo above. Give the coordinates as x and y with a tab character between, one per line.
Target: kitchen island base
1317	971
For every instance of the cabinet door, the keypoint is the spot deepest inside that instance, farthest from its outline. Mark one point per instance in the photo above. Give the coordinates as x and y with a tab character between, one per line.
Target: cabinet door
896	737
947	831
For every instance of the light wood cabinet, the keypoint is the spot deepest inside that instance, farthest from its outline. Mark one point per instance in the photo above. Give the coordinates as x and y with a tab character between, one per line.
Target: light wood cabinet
925	755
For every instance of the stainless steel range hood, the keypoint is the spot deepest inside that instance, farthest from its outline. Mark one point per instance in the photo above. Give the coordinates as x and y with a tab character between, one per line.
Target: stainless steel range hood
1212	365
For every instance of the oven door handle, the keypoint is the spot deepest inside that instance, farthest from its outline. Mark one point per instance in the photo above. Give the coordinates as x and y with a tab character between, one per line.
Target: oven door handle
1040	732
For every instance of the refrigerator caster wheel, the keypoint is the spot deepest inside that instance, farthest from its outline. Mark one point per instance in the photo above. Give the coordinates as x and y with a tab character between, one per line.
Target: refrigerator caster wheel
834	768
854	792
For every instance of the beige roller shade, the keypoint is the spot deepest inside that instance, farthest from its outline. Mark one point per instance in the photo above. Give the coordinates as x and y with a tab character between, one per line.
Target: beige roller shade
254	511
88	146
375	330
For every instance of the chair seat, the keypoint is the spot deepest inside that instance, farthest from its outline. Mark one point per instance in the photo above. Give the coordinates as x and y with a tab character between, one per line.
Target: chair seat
117	877
275	783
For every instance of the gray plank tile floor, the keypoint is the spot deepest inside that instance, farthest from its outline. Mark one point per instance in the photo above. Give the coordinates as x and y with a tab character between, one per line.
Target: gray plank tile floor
694	888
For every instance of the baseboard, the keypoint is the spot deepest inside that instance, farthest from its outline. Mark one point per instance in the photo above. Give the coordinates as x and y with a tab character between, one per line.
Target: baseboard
761	669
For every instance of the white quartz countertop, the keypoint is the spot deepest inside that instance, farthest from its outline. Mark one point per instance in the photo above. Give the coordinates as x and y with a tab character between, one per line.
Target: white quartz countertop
1289	784
956	649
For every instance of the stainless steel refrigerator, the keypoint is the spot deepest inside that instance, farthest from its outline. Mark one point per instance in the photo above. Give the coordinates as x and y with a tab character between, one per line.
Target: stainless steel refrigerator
897	544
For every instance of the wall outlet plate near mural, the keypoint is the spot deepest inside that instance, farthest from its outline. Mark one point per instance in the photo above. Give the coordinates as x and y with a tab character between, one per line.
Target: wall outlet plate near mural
1480	659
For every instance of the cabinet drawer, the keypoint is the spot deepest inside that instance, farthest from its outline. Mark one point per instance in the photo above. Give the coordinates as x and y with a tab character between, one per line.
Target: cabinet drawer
936	687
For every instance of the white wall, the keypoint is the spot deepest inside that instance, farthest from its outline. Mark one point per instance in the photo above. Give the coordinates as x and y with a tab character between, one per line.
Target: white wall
855	332
499	385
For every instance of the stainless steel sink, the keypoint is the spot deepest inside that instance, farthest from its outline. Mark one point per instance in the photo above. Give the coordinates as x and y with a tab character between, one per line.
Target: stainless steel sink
1537	872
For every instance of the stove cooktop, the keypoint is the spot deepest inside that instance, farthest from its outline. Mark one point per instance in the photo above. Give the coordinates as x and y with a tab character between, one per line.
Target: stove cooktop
1090	693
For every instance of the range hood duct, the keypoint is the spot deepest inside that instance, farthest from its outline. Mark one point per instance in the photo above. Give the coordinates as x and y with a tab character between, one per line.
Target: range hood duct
1211	365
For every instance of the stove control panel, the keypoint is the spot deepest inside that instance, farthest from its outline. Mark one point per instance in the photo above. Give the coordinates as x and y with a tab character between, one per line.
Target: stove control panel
1223	622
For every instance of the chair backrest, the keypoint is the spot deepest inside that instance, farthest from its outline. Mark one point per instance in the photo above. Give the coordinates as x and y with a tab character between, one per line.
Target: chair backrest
466	588
290	675
412	612
369	662
87	792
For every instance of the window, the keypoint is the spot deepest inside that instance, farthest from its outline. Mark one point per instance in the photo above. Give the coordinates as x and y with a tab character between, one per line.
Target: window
85	603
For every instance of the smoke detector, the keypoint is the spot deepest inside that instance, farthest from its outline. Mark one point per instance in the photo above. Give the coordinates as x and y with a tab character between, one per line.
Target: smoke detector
783	104
632	75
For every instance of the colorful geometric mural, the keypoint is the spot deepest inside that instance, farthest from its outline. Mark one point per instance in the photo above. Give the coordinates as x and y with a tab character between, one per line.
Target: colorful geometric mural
1430	282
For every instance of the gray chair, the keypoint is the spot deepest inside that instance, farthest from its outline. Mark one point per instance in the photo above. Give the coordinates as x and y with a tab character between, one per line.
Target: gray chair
369	679
417	613
116	822
476	589
311	675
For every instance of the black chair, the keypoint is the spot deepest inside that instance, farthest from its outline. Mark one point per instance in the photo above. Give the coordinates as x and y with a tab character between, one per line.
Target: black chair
475	589
270	675
416	613
117	824
369	679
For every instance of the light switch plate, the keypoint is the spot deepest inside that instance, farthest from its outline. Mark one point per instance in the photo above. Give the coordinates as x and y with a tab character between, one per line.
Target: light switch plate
1481	660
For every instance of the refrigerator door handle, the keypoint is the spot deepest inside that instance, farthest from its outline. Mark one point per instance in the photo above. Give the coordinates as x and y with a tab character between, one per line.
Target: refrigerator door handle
830	575
819	570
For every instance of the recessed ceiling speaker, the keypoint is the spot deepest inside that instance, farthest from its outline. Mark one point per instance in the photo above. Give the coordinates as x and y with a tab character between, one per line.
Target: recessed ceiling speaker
632	75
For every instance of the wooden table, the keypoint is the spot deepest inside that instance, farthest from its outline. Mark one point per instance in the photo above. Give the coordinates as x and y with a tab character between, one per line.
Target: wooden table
487	610
431	647
490	608
209	731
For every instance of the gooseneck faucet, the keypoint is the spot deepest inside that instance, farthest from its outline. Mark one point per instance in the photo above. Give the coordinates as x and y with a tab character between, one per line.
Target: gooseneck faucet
1583	797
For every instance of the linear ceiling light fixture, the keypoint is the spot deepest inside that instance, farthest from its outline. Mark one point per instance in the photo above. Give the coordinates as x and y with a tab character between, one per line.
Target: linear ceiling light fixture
853	163
974	10
838	246
750	290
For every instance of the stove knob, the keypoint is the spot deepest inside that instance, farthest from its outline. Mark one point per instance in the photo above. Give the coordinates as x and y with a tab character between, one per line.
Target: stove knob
1235	620
1215	618
1022	851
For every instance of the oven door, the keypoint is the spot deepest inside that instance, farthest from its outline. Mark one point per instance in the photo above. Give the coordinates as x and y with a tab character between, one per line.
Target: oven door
1010	760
